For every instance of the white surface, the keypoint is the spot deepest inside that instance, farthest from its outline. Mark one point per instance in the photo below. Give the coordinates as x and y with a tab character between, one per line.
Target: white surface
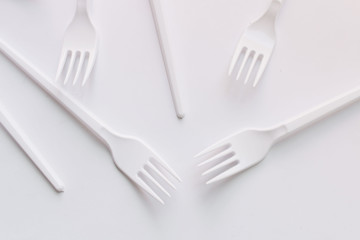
307	188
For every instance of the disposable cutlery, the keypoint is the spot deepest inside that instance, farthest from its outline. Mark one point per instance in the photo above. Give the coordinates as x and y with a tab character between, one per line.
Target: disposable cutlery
247	148
256	45
27	146
79	49
165	50
131	155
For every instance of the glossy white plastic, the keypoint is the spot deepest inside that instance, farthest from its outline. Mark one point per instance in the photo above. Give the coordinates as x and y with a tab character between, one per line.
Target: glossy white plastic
247	148
79	49
24	142
256	45
131	155
165	50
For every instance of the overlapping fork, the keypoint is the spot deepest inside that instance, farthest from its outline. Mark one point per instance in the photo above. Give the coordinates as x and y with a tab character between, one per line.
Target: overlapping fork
79	48
131	155
256	46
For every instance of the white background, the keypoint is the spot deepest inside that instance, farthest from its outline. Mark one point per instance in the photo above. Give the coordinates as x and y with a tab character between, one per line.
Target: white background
306	188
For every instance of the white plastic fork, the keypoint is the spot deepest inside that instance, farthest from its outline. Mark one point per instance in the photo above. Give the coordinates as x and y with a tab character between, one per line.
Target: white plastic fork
247	148
79	49
165	51
26	145
256	45
131	155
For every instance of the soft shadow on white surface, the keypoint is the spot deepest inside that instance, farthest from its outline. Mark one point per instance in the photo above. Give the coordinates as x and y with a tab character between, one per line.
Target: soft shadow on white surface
306	188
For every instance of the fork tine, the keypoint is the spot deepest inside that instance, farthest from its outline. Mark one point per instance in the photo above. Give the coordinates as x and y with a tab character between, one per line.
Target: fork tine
166	167
228	173
89	67
62	62
153	180
243	63
154	168
79	68
218	156
215	147
235	57
71	66
148	189
253	62
220	165
261	69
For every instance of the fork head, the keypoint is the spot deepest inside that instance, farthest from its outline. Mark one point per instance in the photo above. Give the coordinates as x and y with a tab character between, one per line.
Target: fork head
235	154
255	52
256	46
79	50
144	167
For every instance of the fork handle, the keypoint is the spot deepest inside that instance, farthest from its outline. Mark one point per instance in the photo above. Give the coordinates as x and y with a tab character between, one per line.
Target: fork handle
322	111
274	8
84	7
81	5
269	17
69	103
166	54
24	142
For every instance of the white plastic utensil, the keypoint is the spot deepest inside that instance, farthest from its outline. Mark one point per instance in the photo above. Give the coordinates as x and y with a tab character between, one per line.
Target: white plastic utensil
24	142
165	50
247	148
256	45
131	155
79	47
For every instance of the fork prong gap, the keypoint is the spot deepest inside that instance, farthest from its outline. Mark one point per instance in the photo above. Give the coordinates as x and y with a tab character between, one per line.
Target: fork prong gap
158	172
89	66
227	153
163	165
141	182
262	65
154	181
79	67
70	67
213	149
226	171
243	63
220	165
253	61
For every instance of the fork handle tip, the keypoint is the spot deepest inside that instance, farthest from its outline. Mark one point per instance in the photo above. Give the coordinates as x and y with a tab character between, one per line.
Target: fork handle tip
180	115
60	188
